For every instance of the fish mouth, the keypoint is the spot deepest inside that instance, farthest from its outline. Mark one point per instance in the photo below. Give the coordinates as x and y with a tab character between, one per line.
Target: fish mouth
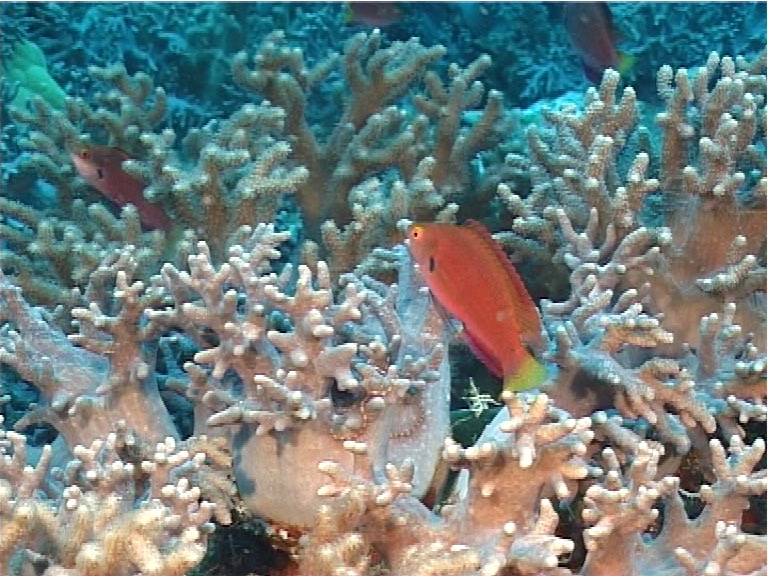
84	169
76	160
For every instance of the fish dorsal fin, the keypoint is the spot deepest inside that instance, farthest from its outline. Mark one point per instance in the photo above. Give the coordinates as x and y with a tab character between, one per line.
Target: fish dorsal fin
118	154
526	311
123	152
110	153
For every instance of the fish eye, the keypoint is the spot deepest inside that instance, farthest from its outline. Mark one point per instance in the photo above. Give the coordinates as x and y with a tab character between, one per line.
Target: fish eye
416	232
84	154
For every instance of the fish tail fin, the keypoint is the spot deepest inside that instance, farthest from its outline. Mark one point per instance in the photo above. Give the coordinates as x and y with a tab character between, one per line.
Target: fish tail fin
174	235
347	14
528	374
626	63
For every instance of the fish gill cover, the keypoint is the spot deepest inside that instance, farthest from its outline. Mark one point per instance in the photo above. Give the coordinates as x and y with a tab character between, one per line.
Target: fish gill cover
219	358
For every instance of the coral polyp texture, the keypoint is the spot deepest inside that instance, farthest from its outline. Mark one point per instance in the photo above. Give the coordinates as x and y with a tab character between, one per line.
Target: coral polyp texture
219	358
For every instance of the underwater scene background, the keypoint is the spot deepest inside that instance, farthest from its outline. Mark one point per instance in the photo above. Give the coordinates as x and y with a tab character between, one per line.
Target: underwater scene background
383	288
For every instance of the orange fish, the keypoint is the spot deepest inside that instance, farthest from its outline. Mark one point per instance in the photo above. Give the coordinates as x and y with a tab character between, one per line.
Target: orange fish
102	168
377	14
593	36
471	277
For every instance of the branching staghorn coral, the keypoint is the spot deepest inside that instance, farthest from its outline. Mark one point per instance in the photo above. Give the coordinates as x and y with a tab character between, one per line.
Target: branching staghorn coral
130	107
334	399
600	333
572	164
369	135
375	133
715	204
671	350
50	252
720	200
86	390
483	532
315	374
52	259
627	502
239	178
234	172
103	521
368	524
378	211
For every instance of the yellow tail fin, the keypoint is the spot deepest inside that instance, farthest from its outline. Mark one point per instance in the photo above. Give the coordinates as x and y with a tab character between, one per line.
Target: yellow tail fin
626	63
530	373
347	14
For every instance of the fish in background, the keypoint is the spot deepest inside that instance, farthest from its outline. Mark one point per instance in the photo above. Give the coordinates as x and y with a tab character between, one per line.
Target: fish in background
471	277
102	168
378	14
592	34
474	16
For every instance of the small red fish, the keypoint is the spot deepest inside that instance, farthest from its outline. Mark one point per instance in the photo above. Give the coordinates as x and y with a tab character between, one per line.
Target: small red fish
471	277
378	14
102	168
592	35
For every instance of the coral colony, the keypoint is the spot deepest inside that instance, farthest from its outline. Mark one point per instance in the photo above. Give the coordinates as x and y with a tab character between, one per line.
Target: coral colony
223	354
